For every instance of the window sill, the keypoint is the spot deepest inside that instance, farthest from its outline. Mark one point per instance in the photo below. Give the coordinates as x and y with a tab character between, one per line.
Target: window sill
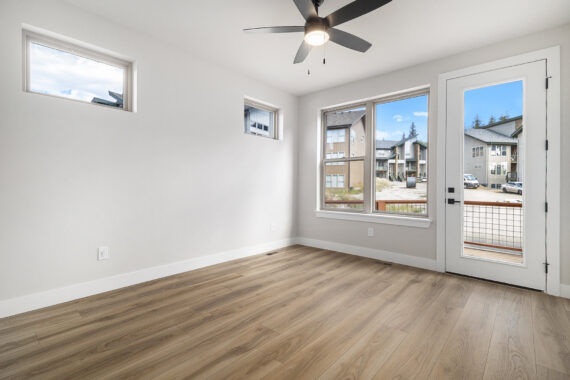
398	220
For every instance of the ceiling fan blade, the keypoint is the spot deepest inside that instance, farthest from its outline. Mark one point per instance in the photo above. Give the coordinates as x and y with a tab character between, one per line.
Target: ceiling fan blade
353	10
276	29
303	52
348	40
306	8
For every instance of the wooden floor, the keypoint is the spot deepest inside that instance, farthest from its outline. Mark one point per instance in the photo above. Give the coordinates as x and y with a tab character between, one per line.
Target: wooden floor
302	313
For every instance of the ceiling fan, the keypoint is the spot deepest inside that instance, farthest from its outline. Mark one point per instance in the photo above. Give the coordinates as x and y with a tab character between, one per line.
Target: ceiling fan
318	30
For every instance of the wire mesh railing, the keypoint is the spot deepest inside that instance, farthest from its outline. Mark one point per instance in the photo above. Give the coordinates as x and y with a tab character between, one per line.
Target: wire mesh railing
496	225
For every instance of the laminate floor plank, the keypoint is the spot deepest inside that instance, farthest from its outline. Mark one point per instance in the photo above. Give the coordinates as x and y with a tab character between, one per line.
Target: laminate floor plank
511	352
551	333
465	353
297	313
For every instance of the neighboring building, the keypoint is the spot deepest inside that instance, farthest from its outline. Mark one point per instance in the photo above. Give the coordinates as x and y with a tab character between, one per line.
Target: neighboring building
491	153
117	103
345	138
258	122
397	160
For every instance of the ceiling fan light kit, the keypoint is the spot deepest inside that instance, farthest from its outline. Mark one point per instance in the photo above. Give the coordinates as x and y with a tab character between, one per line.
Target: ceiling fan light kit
319	30
316	32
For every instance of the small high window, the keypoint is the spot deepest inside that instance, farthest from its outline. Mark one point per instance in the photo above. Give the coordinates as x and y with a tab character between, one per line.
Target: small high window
57	68
260	120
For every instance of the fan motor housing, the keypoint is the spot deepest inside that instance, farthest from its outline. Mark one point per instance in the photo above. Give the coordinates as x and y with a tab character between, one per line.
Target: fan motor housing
316	23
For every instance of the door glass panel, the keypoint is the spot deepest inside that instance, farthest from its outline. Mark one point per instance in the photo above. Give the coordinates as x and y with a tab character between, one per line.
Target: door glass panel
493	175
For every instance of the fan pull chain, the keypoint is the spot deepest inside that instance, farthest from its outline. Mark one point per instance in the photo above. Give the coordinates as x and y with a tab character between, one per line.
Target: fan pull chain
324	54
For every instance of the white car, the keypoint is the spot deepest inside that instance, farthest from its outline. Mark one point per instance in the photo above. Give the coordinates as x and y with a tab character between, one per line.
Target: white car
470	182
512	187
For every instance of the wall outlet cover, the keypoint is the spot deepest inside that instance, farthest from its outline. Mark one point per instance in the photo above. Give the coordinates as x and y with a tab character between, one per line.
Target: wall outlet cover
103	253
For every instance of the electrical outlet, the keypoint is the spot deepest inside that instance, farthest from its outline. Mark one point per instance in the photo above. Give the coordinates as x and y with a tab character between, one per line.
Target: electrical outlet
370	231
102	253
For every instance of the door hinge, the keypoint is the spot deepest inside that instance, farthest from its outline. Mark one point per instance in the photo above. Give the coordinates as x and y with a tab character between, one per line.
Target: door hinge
546	267
545	206
546	144
546	84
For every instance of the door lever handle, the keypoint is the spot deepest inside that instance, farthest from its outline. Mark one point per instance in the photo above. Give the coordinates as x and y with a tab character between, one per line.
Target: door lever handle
451	201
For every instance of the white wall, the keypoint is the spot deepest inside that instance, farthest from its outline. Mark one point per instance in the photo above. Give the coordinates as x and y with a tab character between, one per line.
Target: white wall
176	180
417	242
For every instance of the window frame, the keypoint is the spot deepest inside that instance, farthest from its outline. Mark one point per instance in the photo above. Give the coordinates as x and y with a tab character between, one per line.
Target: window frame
369	212
324	160
264	107
29	37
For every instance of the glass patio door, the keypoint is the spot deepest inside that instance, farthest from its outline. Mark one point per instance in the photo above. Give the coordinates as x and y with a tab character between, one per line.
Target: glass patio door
496	175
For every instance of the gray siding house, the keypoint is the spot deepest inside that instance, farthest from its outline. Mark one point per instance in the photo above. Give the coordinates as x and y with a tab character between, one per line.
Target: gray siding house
491	153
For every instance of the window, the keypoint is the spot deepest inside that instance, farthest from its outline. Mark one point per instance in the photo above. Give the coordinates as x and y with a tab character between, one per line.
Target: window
498	150
344	158
336	136
259	119
335	181
65	70
401	123
389	176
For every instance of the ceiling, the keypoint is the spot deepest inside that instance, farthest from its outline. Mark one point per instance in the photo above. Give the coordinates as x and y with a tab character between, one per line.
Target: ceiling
403	33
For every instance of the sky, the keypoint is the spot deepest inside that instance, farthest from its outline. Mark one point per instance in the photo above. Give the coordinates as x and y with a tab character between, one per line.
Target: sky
497	100
56	72
394	118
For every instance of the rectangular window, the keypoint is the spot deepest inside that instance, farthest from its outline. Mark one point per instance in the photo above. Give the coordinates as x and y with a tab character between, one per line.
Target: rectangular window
57	68
384	168
259	119
344	152
401	125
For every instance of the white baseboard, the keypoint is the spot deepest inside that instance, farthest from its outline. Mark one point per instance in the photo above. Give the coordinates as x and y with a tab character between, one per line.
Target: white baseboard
378	254
51	297
565	291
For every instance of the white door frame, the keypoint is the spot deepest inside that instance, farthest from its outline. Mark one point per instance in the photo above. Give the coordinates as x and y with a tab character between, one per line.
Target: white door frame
552	57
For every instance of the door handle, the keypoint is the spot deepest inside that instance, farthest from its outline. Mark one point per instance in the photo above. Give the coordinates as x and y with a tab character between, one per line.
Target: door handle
451	201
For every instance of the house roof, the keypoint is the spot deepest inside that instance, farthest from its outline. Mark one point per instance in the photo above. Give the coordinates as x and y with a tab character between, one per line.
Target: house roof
517	132
500	122
344	119
386	144
490	137
389	144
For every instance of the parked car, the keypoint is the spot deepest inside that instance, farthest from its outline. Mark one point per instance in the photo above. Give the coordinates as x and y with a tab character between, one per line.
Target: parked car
470	182
512	187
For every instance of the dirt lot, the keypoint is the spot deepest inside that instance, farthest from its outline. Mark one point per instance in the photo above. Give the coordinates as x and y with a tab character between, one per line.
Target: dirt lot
490	195
398	190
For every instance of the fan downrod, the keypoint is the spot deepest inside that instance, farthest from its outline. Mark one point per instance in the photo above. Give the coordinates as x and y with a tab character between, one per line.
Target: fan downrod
317	3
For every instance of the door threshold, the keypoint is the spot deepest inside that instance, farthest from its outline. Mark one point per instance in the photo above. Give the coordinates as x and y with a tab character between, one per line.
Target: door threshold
496	282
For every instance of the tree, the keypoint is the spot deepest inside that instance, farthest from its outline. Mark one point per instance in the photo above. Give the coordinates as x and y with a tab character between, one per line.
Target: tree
413	132
476	122
504	116
403	135
492	120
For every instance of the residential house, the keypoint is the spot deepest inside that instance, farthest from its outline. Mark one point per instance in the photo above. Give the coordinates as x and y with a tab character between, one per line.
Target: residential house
397	160
491	153
346	137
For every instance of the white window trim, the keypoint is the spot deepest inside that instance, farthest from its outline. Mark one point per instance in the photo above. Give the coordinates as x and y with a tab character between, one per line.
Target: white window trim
265	107
29	37
399	220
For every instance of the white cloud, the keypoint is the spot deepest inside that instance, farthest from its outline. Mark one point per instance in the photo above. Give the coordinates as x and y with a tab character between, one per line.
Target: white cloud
395	135
398	118
59	73
423	114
